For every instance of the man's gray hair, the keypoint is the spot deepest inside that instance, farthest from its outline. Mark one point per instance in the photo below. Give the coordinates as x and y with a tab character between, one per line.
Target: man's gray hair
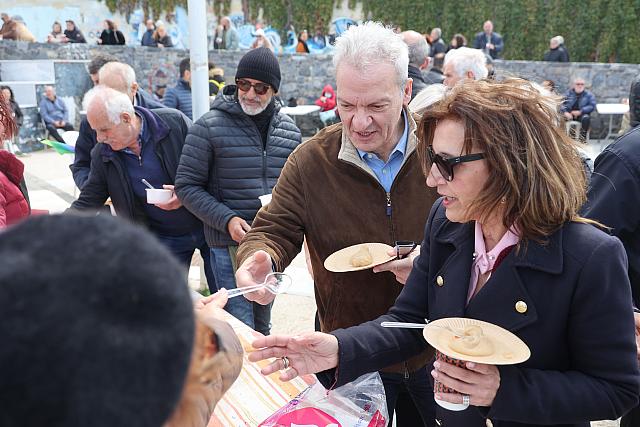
438	31
369	44
114	102
119	76
559	39
418	52
466	59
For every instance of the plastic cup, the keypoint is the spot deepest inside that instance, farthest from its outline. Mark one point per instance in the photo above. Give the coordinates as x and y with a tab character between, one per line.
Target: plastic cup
158	195
438	387
265	199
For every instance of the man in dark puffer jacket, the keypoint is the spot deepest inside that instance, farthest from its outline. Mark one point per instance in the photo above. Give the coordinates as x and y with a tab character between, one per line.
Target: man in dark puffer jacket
234	154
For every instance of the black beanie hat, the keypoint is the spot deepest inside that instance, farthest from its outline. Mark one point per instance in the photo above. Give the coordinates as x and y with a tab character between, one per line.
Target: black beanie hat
260	64
97	324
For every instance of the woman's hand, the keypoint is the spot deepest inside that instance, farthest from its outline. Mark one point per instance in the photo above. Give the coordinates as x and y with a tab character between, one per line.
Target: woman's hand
306	353
480	382
401	268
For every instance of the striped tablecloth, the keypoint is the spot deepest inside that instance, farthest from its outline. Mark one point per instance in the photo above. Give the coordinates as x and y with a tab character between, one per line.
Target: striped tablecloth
254	397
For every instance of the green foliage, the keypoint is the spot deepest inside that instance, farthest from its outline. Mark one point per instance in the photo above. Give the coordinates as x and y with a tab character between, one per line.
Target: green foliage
594	30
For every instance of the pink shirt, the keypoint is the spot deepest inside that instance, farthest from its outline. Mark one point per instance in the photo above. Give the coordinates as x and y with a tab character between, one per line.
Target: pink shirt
484	261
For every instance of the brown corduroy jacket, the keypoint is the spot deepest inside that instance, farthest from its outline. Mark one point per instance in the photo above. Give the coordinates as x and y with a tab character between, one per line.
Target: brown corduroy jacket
327	193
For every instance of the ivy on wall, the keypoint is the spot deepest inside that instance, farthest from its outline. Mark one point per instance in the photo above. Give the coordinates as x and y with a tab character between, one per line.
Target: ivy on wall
594	30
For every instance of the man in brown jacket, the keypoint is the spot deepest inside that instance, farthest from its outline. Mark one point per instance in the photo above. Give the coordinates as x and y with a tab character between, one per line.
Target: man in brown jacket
357	181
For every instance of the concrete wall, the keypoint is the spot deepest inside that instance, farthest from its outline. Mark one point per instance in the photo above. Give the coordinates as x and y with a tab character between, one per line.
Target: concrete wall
303	76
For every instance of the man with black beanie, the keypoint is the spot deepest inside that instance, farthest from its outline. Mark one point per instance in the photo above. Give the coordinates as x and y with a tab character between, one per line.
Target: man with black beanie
234	154
100	338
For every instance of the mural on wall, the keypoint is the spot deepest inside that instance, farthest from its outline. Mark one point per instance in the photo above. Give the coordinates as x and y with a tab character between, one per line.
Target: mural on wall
89	15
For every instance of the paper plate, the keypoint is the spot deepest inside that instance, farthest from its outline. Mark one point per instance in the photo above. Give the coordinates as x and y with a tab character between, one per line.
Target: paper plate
340	261
507	349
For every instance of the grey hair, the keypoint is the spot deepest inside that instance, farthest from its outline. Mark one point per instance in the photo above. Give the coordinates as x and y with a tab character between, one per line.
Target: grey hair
369	44
427	97
122	76
418	52
114	102
438	31
466	59
559	39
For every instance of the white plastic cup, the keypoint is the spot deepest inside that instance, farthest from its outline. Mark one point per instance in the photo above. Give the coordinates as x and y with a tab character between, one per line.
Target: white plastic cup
265	199
157	196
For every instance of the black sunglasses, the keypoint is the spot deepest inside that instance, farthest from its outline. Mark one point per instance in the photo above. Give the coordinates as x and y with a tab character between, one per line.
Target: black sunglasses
245	86
445	166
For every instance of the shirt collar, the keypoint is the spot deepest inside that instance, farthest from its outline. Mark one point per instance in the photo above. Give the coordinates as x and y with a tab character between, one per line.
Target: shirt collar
510	238
401	146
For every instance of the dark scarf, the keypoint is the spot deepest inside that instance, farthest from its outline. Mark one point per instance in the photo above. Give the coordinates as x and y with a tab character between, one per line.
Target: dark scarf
263	119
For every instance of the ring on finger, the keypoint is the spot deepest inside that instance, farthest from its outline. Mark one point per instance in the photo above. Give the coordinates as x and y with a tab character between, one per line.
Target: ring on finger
466	399
285	362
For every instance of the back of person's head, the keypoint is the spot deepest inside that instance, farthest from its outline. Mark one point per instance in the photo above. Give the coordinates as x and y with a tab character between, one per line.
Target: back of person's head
370	44
185	65
98	62
466	59
118	76
418	47
97	324
427	97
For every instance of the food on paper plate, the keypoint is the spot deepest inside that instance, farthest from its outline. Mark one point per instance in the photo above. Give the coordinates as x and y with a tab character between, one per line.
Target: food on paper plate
362	257
471	342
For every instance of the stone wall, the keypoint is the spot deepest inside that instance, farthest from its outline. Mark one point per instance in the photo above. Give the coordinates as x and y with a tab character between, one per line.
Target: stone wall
303	76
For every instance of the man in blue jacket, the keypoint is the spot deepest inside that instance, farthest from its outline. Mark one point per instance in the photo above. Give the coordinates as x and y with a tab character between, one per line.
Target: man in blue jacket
137	144
122	78
179	96
614	200
234	154
488	41
54	113
578	104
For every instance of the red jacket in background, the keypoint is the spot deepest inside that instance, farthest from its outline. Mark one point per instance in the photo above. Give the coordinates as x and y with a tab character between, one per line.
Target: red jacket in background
13	205
327	102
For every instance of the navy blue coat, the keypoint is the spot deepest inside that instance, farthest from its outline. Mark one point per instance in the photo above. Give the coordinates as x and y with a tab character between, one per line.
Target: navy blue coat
225	168
109	177
614	198
179	97
480	41
579	324
81	165
587	102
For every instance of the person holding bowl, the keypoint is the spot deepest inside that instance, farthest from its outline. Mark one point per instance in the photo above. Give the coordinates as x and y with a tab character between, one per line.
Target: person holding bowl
504	244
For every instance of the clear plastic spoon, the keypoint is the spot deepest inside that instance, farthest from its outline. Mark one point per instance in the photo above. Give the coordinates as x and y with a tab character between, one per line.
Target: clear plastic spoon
276	283
145	182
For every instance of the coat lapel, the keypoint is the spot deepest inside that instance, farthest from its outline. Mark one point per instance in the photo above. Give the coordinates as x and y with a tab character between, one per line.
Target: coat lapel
500	300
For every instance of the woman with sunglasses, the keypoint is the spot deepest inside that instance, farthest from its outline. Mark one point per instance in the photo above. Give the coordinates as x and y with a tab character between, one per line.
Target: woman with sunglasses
505	244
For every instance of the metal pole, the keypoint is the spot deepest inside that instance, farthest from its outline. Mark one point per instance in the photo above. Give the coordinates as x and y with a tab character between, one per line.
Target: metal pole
197	10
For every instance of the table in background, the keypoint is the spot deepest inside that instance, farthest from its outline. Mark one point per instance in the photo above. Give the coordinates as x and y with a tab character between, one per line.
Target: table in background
611	110
253	397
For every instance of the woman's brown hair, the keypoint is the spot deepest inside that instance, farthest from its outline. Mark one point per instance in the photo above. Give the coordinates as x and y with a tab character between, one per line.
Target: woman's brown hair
7	123
536	177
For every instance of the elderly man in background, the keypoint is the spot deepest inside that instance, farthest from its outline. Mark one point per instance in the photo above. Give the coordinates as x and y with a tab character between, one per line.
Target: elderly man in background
54	113
578	104
464	63
488	41
418	59
233	155
122	78
140	144
354	182
556	52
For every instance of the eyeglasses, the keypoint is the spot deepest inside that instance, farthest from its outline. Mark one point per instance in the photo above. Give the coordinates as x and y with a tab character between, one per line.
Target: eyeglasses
579	84
259	88
445	166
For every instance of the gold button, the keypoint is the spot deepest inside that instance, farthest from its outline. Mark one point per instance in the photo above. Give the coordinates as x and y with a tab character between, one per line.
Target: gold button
489	423
521	307
439	281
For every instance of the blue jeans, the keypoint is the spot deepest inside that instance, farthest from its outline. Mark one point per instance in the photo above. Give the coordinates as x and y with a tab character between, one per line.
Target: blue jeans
254	315
184	246
412	398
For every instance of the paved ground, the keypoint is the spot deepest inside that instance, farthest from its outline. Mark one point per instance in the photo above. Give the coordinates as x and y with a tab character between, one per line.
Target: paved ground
51	188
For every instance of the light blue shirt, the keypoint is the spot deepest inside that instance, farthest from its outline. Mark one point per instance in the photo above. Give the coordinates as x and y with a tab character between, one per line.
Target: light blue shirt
386	172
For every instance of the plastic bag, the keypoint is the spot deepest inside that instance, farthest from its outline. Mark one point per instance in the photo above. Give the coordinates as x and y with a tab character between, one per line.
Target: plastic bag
360	403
